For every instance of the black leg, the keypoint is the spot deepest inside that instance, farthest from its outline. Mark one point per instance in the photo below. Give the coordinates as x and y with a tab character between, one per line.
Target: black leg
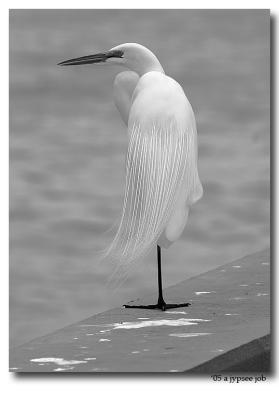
161	305
161	301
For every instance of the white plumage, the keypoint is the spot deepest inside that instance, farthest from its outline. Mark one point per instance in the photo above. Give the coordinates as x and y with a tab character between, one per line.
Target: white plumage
162	179
161	169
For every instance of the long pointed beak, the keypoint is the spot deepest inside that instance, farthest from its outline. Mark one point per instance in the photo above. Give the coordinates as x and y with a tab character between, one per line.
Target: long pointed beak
93	59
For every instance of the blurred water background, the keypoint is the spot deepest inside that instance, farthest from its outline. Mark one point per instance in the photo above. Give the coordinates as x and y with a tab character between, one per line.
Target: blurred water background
68	145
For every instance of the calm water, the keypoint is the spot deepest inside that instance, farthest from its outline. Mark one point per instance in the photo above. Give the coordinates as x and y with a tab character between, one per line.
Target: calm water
67	153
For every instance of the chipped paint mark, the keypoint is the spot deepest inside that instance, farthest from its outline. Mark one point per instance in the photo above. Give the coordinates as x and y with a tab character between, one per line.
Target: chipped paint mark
244	285
90	334
63	369
160	322
14	368
99	369
75	338
173	370
90	358
135	352
236	266
58	361
192	334
237	298
199	293
231	314
175	312
104	340
259	283
149	323
143	318
262	294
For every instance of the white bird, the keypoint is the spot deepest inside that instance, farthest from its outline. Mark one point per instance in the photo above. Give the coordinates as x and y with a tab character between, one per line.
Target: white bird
162	179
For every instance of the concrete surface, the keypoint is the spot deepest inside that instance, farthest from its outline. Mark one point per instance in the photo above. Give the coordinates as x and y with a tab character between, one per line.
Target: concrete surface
226	328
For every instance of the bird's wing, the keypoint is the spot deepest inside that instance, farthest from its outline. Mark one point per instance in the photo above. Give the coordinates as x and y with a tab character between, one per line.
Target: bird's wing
123	88
158	160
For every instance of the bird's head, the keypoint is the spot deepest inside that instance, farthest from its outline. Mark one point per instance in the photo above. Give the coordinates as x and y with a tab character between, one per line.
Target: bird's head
132	56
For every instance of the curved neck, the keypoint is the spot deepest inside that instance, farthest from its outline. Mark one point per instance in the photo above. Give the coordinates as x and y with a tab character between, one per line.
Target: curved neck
144	61
148	67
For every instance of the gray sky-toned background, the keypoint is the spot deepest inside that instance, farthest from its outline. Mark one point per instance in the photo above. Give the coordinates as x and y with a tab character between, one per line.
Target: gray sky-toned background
68	144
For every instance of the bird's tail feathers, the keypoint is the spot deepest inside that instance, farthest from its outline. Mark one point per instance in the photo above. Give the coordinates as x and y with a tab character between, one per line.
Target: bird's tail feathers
155	167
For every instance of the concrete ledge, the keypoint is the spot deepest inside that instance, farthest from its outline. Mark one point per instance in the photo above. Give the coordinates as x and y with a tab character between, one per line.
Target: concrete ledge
250	357
226	329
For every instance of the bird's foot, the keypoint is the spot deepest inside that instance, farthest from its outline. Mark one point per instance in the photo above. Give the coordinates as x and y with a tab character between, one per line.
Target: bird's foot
161	305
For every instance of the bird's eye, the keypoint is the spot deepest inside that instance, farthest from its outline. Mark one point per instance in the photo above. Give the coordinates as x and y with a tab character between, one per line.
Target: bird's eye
115	54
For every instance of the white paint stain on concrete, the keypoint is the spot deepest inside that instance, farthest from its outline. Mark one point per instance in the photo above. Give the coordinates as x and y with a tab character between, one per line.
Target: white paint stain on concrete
262	294
159	322
236	266
99	369
13	368
231	314
237	298
217	351
104	340
175	312
90	358
199	293
58	361
90	334
144	323
244	285
63	369
135	352
189	334
173	370
265	263
143	318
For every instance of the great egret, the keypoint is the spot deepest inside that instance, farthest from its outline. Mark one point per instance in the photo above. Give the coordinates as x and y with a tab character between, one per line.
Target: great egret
162	179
